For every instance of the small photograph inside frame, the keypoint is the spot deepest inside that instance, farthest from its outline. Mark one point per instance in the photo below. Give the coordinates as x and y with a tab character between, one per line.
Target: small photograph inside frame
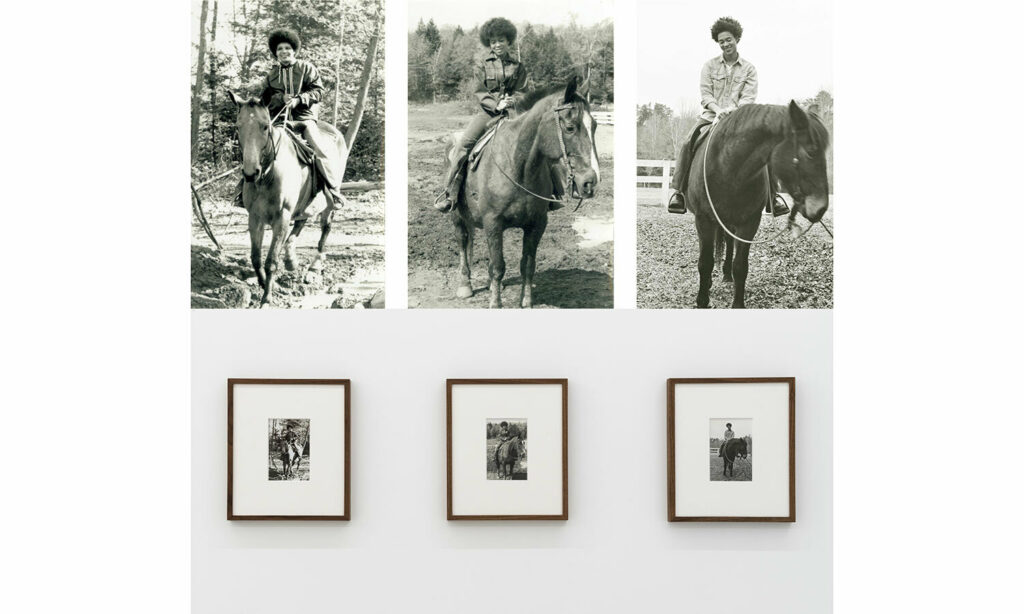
731	453
288	449
506	449
287	131
734	155
511	143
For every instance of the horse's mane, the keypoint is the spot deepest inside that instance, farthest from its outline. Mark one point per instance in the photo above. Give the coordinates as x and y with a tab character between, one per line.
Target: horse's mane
771	117
532	98
527	115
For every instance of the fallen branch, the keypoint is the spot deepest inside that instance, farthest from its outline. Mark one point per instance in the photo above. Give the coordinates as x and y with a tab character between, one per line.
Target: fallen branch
197	209
352	186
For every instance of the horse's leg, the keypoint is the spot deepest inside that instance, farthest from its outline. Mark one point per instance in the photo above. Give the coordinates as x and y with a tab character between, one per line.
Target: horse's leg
528	263
727	266
739	272
279	227
326	219
465	236
495	235
289	245
256	241
705	267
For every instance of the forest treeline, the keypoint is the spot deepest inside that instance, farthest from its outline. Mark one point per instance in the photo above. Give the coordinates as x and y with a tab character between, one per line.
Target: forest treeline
336	38
443	60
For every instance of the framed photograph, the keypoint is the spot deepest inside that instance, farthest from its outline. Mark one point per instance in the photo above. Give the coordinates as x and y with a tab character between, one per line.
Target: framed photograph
508	449
714	428
288	449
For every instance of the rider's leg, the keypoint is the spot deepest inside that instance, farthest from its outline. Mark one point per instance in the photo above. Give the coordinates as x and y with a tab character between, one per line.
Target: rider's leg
327	154
476	128
680	179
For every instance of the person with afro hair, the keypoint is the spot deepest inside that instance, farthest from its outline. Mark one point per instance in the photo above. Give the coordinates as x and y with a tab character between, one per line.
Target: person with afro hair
727	82
501	81
296	84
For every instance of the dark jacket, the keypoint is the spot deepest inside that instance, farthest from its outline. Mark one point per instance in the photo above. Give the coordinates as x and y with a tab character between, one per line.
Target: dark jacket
500	77
302	79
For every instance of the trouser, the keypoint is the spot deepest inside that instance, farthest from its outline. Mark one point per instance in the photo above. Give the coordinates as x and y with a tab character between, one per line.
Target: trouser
681	177
476	128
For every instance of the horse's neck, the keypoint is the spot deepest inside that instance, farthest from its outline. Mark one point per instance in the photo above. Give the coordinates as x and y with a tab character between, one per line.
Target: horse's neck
524	144
743	155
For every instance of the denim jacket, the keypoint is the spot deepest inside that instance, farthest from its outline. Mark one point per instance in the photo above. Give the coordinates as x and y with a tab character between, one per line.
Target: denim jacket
301	79
717	86
498	77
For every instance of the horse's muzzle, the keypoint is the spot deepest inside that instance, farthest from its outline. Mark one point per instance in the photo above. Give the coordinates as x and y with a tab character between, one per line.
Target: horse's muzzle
250	178
586	184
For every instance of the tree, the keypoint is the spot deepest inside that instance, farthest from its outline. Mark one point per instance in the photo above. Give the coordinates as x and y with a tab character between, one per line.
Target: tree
197	88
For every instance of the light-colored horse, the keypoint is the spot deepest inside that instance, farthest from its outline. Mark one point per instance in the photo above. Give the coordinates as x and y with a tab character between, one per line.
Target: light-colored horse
278	189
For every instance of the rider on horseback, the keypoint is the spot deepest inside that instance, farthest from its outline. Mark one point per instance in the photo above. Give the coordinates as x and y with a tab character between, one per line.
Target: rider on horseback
292	440
725	439
502	80
296	84
726	83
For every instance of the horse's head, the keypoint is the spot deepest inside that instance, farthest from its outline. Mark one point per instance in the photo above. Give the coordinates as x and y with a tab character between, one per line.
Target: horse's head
572	139
741	447
800	165
254	132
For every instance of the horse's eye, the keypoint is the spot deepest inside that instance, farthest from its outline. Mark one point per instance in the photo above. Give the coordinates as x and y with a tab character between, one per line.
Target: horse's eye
570	128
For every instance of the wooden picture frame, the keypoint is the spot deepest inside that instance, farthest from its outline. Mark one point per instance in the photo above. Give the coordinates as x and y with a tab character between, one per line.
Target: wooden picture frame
549	490
780	444
250	401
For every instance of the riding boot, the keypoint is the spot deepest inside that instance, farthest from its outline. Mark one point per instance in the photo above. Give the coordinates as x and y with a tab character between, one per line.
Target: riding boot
445	200
780	209
676	203
555	206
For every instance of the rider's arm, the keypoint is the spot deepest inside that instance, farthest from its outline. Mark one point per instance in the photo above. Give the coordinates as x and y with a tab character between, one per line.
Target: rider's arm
312	87
748	94
707	93
488	101
517	88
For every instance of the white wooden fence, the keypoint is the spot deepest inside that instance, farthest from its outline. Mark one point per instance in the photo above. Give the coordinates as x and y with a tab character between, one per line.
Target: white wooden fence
654	189
604	117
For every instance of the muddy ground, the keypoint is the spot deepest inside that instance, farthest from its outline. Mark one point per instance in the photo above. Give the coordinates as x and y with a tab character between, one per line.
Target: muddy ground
574	260
353	275
784	274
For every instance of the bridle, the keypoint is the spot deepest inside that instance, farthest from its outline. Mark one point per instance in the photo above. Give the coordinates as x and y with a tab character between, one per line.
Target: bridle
570	178
268	154
797	196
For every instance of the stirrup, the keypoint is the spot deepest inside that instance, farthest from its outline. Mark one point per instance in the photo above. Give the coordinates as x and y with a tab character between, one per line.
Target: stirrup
443	202
676	204
780	207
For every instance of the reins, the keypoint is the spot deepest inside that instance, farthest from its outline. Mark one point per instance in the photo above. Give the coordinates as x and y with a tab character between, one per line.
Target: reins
570	176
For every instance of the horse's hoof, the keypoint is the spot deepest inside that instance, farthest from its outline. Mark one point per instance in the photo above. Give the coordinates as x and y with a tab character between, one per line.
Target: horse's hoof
464	292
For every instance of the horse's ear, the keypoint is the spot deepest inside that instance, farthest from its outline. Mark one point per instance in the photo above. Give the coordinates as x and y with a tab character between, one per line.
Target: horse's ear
235	98
570	90
798	117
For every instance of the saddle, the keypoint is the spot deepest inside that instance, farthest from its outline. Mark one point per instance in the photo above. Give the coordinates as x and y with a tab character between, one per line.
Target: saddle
474	154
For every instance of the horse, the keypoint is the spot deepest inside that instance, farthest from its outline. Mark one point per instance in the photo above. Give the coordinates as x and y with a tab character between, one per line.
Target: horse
277	189
743	153
291	459
547	149
506	455
728	451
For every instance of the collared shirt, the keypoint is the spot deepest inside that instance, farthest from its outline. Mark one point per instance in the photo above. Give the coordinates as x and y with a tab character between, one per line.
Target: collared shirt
728	85
500	77
728	435
300	79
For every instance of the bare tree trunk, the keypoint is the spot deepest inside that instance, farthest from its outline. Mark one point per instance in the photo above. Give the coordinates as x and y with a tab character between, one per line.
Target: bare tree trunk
364	86
213	80
197	88
337	62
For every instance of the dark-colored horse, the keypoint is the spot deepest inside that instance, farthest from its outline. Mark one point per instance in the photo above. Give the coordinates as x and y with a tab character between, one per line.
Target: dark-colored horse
529	158
506	455
277	190
738	155
291	459
728	451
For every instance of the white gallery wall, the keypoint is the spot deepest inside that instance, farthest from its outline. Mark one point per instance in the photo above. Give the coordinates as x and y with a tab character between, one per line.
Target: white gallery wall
616	552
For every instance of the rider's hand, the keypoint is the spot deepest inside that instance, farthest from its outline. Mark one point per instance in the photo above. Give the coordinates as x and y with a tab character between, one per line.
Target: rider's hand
294	102
502	105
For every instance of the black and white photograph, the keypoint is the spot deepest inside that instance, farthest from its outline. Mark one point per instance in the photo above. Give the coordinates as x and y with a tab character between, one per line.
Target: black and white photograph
506	449
288	449
735	195
287	131
731	451
511	142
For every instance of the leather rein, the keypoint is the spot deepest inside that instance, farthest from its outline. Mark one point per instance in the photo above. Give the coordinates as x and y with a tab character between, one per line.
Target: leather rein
570	178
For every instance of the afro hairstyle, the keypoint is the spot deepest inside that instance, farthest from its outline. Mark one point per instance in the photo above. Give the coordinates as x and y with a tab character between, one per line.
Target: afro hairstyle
497	27
283	35
726	24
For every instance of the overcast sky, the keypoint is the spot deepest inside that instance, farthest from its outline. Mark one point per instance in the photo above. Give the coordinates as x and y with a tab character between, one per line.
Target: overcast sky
790	44
475	12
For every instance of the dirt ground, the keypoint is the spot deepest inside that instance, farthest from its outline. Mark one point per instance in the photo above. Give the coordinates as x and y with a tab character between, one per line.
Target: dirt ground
574	260
353	275
742	470
783	274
